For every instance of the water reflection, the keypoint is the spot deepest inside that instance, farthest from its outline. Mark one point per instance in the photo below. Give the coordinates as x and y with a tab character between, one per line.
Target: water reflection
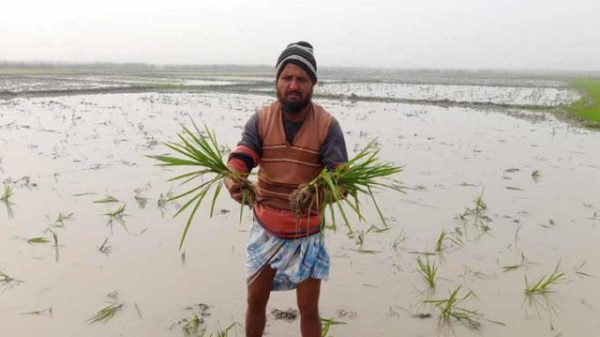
542	305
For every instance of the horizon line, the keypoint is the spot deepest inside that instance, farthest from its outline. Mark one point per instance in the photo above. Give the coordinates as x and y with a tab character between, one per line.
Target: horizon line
41	63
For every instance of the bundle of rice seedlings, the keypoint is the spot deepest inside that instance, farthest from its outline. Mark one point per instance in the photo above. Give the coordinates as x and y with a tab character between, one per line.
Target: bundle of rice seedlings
201	150
360	175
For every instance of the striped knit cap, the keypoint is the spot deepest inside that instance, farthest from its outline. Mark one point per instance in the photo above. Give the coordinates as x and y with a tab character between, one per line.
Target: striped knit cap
301	54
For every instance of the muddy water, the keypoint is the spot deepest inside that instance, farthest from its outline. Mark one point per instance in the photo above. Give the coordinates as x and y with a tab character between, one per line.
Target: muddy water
61	154
458	93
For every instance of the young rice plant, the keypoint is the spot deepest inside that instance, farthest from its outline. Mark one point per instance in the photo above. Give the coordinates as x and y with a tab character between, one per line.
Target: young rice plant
344	184
201	151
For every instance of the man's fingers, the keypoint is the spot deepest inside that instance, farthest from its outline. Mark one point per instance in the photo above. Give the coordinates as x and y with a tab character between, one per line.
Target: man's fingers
235	188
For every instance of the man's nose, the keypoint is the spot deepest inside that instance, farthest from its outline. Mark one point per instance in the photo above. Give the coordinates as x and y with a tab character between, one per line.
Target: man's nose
294	84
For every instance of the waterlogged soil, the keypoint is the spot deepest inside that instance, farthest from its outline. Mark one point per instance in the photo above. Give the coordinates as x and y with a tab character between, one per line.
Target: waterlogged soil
506	95
63	156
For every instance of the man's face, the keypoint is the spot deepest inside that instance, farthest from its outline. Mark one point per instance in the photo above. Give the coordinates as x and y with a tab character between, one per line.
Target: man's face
294	88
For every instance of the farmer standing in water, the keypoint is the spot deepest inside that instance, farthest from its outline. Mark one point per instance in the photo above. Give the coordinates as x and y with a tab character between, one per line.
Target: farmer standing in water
291	141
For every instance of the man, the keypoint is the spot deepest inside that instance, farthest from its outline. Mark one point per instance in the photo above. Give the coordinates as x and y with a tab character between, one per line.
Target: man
293	139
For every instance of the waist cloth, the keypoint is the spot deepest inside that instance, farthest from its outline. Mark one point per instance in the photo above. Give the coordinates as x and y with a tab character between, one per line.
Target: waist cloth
294	260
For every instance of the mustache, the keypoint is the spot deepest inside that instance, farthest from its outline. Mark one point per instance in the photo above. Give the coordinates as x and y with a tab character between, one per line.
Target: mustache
295	92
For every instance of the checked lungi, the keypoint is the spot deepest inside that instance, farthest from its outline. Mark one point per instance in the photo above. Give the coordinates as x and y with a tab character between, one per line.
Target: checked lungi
294	260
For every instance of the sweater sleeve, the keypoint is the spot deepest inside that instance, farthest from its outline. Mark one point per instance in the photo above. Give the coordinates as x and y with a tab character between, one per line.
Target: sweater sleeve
333	150
247	154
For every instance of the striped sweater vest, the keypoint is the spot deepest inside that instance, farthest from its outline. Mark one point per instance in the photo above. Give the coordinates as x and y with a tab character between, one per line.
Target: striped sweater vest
284	166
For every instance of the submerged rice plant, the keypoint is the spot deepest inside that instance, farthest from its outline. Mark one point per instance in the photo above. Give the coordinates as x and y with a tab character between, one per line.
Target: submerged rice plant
106	200
543	284
194	326
440	244
117	215
200	149
7	281
399	241
540	304
225	332
327	324
476	217
48	312
61	218
480	205
6	194
105	248
56	246
535	175
450	310
163	201
579	270
5	199
106	313
360	240
343	185
37	240
512	267
428	270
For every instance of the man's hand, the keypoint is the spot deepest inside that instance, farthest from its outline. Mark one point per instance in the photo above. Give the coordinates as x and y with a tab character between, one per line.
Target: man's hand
306	198
235	188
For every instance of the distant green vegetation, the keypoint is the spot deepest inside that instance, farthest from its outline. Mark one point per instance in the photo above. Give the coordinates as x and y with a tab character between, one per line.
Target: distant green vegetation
588	107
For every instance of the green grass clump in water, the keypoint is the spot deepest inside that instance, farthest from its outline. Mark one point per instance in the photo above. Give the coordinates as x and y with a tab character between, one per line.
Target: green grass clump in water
327	323
449	309
7	281
475	217
106	200
117	215
543	285
7	194
106	313
4	277
61	218
428	270
444	236
201	150
588	107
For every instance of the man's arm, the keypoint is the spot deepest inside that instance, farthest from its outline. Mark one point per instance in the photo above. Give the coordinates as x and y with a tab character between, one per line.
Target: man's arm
333	150
249	149
244	157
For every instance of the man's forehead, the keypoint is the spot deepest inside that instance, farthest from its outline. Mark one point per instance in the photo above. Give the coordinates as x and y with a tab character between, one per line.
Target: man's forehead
293	69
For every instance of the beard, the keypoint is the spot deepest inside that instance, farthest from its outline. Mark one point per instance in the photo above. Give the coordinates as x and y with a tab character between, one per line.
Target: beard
294	106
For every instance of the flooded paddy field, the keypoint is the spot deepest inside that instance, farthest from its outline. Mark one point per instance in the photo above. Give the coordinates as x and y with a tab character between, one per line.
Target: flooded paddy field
497	197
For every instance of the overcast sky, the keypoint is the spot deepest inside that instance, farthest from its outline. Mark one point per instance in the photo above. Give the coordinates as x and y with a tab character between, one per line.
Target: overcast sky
471	34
